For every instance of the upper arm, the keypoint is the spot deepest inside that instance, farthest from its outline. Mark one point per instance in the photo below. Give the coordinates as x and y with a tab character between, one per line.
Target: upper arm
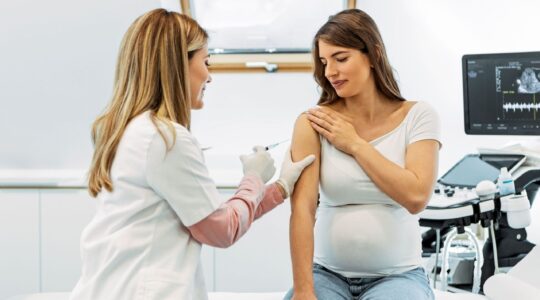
422	160
422	156
306	141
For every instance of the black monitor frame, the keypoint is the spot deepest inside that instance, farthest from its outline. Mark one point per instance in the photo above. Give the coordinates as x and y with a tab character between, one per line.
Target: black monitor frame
466	100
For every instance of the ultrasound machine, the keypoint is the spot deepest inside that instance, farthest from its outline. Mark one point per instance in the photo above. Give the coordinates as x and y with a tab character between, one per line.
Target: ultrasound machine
501	95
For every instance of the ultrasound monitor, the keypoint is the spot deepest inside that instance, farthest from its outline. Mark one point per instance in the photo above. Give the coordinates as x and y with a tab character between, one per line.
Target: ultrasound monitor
473	168
501	93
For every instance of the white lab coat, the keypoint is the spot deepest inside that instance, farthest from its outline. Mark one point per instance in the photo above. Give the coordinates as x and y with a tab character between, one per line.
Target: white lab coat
137	246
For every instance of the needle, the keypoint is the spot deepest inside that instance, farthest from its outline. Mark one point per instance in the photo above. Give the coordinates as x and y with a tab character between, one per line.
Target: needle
272	146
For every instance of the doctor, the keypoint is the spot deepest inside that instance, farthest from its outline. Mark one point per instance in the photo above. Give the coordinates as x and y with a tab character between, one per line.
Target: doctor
156	201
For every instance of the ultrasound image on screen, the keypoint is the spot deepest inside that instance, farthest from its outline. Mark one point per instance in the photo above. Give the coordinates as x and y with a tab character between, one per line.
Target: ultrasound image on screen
502	93
528	82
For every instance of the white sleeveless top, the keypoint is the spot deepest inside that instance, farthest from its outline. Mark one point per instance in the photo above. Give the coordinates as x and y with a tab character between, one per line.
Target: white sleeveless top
360	231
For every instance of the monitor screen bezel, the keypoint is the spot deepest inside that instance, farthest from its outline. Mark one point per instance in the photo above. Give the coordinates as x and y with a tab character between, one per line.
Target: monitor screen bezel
467	121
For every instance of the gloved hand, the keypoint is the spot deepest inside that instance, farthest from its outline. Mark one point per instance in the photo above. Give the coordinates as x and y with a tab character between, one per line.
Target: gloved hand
259	163
290	171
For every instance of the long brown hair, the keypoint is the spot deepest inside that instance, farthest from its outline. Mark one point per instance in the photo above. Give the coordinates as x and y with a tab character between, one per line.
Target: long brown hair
355	29
151	75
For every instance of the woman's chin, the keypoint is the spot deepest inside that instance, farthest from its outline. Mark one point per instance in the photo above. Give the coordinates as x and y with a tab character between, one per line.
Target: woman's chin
197	105
343	94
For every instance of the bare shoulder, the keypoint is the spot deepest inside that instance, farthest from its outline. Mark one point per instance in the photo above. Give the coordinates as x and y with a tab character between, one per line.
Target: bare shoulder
303	124
305	139
408	104
336	106
421	107
303	129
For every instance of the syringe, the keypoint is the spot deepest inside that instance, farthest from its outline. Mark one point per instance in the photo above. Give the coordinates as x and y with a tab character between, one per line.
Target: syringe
272	146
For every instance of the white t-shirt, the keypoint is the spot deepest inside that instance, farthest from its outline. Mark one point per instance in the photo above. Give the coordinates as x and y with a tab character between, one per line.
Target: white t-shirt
137	245
360	231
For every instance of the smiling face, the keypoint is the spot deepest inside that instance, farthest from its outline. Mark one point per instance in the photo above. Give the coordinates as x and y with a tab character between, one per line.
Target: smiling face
348	70
199	77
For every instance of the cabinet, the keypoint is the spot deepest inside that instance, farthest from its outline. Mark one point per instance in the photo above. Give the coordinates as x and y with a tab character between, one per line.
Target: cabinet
40	231
207	260
64	214
19	237
260	260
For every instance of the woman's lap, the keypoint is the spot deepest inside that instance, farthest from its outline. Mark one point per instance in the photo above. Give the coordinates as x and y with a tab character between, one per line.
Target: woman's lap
412	284
327	286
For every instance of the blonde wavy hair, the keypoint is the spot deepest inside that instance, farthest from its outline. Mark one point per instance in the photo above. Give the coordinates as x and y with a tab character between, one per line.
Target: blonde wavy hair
151	75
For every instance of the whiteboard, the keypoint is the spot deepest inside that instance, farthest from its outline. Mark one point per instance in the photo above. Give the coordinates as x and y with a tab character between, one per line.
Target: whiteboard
57	63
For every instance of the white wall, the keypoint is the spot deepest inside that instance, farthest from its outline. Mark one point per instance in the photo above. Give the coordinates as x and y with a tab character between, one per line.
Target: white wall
243	110
58	59
57	62
425	41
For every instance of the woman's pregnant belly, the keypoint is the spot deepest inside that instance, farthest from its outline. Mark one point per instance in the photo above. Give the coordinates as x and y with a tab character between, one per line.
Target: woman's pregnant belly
367	240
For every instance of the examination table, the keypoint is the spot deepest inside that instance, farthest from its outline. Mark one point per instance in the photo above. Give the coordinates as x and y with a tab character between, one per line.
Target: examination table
246	296
520	283
498	287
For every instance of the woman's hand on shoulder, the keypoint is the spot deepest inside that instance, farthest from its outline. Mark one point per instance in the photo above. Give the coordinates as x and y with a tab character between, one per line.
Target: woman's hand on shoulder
336	128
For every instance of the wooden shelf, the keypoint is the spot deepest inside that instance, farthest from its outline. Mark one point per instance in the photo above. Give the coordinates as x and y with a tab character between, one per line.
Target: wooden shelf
261	62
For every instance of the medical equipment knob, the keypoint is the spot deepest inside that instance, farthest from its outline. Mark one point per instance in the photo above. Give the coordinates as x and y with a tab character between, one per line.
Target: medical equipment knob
486	189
